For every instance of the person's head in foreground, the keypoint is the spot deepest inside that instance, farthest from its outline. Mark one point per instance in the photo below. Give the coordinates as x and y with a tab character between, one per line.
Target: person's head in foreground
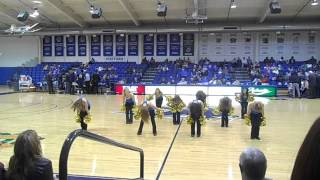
308	158
253	164
27	161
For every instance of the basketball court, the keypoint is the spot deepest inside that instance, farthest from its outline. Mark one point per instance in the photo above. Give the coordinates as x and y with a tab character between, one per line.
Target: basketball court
212	156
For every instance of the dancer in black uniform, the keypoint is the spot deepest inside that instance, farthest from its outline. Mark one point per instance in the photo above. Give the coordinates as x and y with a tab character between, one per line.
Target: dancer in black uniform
176	105
225	107
159	97
255	118
128	102
147	111
82	108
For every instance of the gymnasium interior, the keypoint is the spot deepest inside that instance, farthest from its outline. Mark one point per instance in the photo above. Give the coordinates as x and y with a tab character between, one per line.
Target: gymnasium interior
54	52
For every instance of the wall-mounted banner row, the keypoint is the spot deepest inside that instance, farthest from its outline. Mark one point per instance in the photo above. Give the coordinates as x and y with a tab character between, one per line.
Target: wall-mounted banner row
119	45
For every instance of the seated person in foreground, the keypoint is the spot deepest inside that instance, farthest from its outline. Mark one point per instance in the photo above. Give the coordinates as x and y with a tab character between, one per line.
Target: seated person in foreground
253	164
2	171
307	162
27	163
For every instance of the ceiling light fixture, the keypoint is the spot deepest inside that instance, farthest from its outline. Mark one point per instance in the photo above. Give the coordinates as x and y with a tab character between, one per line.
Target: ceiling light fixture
314	3
37	2
35	13
233	5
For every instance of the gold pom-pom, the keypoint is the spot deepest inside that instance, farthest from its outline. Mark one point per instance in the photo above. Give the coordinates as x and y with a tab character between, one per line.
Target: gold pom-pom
216	111
263	123
159	113
137	114
149	97
123	108
77	118
251	98
189	120
87	119
202	120
247	120
231	112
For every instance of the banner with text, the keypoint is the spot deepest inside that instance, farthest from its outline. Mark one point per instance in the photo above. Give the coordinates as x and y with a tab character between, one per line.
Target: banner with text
71	45
148	45
108	45
175	44
133	45
47	46
96	45
188	44
120	45
58	46
162	44
82	45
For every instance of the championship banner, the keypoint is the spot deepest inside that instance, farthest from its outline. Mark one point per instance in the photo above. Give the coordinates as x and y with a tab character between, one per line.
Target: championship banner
162	45
133	45
120	45
47	46
107	45
58	45
148	45
82	45
71	45
96	45
175	44
188	44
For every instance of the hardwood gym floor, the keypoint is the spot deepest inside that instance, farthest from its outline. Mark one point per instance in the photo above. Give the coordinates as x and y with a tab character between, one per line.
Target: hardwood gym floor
213	156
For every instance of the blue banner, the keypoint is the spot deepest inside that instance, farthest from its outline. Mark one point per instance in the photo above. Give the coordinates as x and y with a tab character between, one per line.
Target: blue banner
188	44
47	46
108	45
58	46
162	45
133	44
175	44
82	45
71	45
96	45
120	45
148	45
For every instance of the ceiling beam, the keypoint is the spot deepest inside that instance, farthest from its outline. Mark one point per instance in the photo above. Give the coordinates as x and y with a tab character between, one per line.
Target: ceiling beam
266	12
129	10
67	11
5	10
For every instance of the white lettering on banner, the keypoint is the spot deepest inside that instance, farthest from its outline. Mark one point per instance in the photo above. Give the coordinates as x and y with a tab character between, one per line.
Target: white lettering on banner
123	59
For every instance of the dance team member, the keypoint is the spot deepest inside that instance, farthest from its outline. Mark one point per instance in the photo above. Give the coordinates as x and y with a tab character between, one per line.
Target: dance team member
255	118
225	107
82	108
159	97
243	99
176	105
146	111
128	103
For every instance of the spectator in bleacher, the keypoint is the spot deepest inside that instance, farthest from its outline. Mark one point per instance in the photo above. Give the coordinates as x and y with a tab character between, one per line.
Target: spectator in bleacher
295	80
67	83
308	158
236	83
292	60
266	60
80	81
182	81
87	80
282	60
163	80
95	82
253	164
50	82
27	163
73	78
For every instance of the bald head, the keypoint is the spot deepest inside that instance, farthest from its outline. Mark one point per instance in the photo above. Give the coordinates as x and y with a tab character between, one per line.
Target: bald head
253	164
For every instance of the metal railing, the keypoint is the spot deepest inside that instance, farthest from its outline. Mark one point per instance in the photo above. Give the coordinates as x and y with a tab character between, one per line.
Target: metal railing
63	161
